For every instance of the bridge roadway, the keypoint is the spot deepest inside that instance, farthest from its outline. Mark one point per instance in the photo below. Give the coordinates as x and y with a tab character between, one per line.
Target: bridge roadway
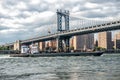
91	29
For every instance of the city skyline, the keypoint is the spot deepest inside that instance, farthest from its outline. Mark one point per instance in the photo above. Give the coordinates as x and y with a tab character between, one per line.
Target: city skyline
25	17
82	42
59	39
105	40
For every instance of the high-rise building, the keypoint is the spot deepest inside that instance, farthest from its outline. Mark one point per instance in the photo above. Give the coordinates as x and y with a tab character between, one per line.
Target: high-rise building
71	42
41	46
105	40
53	43
117	41
83	42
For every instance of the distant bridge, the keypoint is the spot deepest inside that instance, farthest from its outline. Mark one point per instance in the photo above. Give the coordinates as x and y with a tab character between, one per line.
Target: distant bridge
65	34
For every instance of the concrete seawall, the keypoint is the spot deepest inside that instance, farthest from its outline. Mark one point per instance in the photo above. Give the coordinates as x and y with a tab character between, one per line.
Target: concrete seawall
8	52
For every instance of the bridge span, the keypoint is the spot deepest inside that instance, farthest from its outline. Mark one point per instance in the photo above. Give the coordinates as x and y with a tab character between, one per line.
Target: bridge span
66	34
81	31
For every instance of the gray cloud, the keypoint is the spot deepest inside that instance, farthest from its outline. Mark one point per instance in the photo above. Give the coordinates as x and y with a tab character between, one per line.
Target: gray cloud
3	28
104	1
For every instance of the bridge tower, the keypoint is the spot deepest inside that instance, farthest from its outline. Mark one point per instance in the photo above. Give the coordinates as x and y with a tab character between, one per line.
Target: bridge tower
65	15
60	14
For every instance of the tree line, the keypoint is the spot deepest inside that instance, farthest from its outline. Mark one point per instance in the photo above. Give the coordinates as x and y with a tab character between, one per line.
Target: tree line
4	48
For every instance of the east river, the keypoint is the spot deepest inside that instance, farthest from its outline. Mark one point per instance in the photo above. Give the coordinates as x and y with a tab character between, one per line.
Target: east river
105	67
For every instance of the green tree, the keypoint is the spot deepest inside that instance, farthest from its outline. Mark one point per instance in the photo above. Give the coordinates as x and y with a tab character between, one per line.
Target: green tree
4	48
99	49
71	48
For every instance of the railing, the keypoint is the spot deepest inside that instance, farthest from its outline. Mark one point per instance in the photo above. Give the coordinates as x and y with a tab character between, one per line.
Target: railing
109	24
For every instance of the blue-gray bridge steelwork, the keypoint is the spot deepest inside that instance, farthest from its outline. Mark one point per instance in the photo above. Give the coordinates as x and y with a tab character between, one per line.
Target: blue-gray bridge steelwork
61	14
92	29
65	34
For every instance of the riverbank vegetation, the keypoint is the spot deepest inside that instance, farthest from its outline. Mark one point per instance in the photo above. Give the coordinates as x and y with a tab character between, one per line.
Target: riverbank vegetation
4	48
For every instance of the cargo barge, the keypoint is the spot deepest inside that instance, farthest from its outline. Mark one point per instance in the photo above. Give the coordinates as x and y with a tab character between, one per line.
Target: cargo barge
58	54
34	52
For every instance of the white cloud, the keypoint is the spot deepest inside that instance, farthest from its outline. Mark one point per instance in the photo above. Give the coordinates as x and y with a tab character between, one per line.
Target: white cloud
35	2
75	9
3	11
51	1
9	31
91	5
21	6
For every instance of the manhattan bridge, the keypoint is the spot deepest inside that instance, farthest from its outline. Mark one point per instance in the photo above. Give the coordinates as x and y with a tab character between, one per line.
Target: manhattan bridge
63	26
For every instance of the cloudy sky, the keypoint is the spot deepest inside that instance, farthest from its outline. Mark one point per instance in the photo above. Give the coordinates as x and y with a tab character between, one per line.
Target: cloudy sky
22	19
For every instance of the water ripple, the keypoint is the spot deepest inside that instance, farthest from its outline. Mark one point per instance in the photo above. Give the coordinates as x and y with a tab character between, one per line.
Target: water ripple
106	67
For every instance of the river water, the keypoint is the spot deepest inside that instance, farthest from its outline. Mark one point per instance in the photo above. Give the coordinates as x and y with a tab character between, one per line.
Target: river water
105	67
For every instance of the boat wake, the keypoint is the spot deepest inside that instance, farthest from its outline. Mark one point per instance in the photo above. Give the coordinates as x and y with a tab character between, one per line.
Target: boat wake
5	56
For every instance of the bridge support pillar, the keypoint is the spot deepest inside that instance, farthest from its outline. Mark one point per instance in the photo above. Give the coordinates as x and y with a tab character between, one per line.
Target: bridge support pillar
67	44
17	45
59	45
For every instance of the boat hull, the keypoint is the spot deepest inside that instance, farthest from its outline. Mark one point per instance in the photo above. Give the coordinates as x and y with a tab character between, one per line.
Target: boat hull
58	54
